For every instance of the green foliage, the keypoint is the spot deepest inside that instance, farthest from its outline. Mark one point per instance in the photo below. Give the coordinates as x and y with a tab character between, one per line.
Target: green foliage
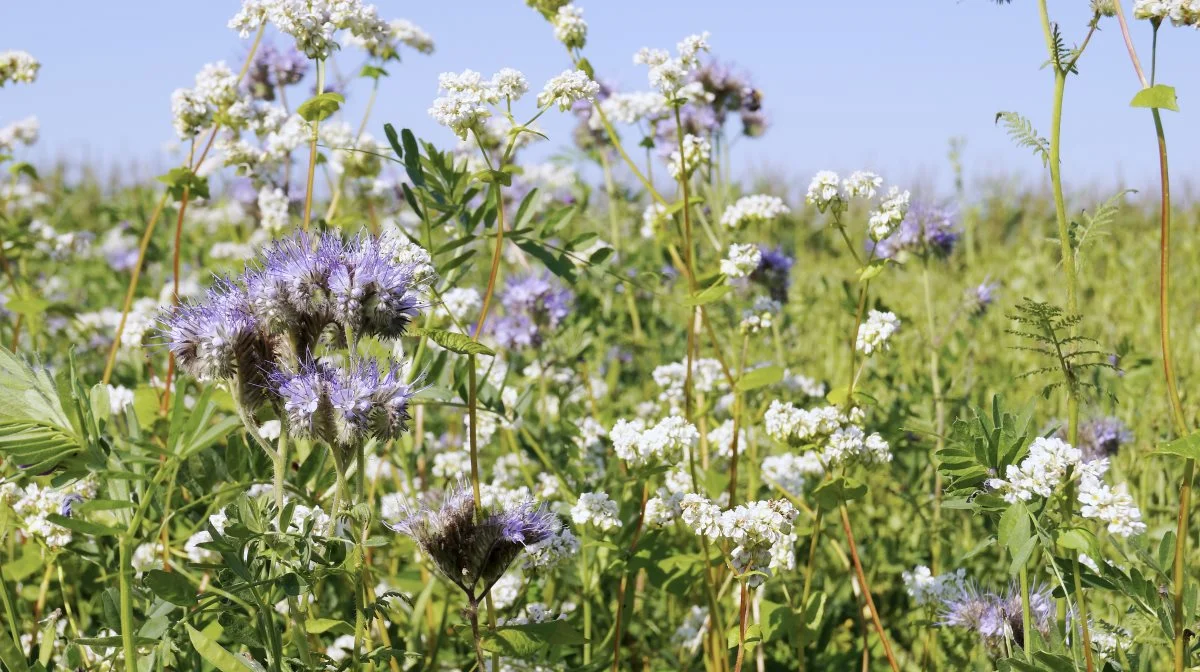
1020	130
1051	332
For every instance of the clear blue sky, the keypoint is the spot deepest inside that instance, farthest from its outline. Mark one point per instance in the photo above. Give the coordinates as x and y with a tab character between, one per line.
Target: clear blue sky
880	84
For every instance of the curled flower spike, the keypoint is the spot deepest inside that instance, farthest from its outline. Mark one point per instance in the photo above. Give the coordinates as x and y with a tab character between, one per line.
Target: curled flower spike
472	551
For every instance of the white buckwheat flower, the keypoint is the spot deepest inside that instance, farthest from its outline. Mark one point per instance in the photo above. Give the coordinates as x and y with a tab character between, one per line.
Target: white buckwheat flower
823	191
876	331
701	515
595	508
190	113
464	107
741	260
566	88
24	132
510	83
790	470
862	184
273	209
18	67
313	23
654	218
569	26
1180	12
887	217
696	152
1112	506
756	209
928	590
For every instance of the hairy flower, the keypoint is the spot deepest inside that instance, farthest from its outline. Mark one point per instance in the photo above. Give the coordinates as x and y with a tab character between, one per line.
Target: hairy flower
474	549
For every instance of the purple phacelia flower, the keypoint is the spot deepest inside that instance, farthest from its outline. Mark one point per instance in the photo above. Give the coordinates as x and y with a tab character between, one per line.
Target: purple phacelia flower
774	272
344	407
533	306
926	230
981	297
473	549
371	292
210	338
1101	437
997	617
273	68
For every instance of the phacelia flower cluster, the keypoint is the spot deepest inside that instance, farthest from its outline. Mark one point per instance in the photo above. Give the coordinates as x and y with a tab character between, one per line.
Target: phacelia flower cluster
534	306
925	231
473	551
995	617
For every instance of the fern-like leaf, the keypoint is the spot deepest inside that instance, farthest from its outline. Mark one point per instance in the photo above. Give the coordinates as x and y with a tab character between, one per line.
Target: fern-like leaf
1021	131
1095	225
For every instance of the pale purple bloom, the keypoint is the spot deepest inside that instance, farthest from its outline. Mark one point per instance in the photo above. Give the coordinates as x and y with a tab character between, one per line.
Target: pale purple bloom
473	551
927	230
344	407
774	272
981	297
997	617
533	305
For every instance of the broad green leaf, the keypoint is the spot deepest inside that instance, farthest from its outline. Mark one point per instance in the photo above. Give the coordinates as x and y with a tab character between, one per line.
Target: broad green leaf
761	377
321	107
317	626
216	654
833	493
181	179
1158	96
531	640
172	587
393	140
1188	447
83	526
707	295
455	342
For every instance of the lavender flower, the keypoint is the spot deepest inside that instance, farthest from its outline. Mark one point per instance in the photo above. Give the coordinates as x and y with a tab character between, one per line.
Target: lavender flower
1102	437
981	297
371	292
345	407
997	617
473	551
533	305
926	230
774	273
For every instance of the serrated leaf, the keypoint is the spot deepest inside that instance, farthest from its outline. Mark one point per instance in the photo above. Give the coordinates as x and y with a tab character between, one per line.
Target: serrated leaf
1159	96
455	342
321	106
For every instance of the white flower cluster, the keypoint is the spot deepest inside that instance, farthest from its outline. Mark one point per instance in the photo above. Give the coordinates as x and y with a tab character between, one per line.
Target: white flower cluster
59	245
569	26
670	75
798	382
1180	12
566	88
928	590
18	67
654	218
33	504
385	43
313	23
552	551
193	110
24	132
631	108
404	251
465	103
119	398
667	442
835	436
741	260
756	209
888	215
461	302
452	465
753	322
829	193
720	438
408	33
273	205
707	377
760	532
791	470
876	331
696	152
1049	464
595	508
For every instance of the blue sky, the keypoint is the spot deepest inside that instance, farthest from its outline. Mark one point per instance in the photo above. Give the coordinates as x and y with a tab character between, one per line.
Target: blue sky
867	84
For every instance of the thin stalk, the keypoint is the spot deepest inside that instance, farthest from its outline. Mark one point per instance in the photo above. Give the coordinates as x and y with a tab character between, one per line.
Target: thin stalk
1026	614
866	589
312	149
939	412
125	577
473	615
689	262
742	612
495	271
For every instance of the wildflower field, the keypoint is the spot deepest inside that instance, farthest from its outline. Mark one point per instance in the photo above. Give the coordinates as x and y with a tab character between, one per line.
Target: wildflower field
328	395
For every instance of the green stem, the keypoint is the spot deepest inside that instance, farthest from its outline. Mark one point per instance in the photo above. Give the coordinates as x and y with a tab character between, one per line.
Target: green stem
939	412
1026	615
312	149
125	576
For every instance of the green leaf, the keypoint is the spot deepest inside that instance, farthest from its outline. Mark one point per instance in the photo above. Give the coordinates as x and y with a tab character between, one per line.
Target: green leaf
317	626
393	140
172	587
11	656
871	270
321	106
455	342
216	654
1188	446
531	640
1159	96
412	158
586	67
707	295
27	305
372	71
182	179
761	377
83	526
833	493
